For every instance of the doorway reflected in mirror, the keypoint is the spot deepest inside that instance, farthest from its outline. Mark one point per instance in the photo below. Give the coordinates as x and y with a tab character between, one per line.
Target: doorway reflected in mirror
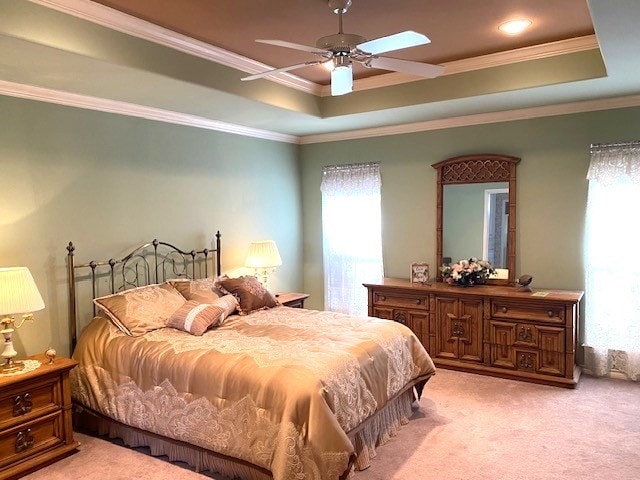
496	226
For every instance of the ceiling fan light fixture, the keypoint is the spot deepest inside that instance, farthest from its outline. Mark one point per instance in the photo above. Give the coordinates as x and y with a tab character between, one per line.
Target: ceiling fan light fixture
341	79
515	27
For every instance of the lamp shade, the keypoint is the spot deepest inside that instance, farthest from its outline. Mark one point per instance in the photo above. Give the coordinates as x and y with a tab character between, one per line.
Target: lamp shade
263	254
18	292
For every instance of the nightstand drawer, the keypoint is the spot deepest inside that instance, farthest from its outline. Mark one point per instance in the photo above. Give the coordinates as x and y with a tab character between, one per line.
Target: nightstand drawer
25	401
398	300
548	313
30	438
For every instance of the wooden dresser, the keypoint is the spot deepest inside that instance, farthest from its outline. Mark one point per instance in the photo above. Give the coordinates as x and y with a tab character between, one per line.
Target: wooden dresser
35	418
493	330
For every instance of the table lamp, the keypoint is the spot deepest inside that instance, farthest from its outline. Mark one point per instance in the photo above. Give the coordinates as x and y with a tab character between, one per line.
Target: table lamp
18	296
263	257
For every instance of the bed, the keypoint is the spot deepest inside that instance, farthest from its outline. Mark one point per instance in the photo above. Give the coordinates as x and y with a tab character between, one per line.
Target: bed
262	391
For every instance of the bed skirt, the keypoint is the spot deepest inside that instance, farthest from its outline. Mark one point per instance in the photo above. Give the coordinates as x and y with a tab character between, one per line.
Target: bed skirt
374	431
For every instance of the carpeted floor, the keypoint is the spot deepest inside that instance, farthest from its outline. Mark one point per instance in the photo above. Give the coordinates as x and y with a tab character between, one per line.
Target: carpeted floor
468	427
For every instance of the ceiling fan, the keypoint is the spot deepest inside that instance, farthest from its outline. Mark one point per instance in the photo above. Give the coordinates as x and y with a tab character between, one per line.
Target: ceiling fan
343	49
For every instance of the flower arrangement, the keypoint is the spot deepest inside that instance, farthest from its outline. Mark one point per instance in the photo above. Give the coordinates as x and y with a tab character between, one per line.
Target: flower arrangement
467	273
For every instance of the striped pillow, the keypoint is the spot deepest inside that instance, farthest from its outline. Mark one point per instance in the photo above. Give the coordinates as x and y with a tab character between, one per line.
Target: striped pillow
196	318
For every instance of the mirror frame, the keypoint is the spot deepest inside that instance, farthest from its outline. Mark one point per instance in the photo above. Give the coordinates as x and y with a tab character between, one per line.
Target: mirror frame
479	168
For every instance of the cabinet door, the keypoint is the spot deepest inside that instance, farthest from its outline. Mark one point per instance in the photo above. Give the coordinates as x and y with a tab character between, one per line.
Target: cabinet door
446	314
458	329
552	358
502	338
471	336
417	321
419	324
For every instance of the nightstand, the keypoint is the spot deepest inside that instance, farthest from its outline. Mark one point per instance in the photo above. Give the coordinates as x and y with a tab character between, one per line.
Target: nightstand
35	417
294	300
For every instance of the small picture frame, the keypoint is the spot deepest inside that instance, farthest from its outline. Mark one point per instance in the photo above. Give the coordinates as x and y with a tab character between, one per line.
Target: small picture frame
420	273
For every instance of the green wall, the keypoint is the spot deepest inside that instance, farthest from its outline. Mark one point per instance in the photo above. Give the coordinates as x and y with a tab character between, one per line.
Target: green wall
109	182
551	190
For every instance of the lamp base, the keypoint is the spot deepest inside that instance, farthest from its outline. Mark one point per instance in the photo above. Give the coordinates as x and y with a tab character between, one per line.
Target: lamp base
11	366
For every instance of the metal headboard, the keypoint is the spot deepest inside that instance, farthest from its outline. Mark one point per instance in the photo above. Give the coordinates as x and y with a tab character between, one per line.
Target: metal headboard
153	262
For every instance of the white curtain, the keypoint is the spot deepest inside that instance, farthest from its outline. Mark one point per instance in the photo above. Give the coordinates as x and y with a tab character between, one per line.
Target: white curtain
352	235
612	283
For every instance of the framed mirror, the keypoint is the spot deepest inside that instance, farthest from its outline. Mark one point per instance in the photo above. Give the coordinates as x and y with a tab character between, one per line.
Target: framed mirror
476	212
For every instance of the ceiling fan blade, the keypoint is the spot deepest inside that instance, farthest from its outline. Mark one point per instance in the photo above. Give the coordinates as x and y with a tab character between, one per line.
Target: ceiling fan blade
394	42
295	46
426	70
341	80
280	70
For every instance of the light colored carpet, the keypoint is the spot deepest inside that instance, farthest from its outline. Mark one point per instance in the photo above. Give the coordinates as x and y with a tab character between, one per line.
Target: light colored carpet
468	427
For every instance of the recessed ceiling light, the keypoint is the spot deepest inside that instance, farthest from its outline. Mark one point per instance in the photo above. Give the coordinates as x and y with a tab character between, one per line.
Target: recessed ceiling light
514	27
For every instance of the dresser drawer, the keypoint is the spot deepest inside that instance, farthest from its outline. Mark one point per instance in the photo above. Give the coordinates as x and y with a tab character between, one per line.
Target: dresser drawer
546	313
23	402
397	299
542	337
528	360
31	438
542	362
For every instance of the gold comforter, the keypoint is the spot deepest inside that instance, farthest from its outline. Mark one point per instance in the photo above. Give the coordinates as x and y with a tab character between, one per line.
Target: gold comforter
278	388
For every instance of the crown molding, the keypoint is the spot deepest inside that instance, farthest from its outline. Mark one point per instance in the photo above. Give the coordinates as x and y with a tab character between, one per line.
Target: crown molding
534	52
130	25
32	92
478	119
136	27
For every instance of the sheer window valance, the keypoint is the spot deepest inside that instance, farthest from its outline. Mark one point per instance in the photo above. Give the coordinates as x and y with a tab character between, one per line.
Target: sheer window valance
361	179
611	162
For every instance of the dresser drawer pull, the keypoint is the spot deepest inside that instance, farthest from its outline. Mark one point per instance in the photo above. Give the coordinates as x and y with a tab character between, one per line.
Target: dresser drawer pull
550	313
22	404
24	440
525	335
504	309
400	317
418	302
458	330
525	360
382	298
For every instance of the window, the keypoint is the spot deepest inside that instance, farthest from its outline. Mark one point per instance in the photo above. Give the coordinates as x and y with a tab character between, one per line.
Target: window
612	283
352	235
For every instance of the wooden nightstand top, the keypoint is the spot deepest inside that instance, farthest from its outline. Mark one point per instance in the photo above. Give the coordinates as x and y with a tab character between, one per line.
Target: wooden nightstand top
292	299
60	364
